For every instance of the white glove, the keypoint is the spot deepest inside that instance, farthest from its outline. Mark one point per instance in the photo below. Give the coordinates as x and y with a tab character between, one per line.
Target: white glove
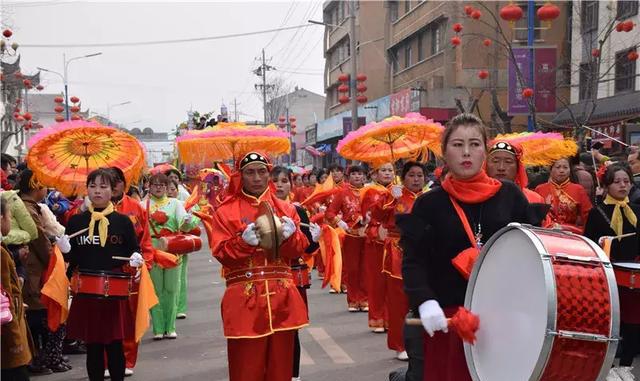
382	233
396	191
322	208
63	244
343	225
187	218
288	227
136	278
85	205
315	232
367	218
136	260
250	235
432	317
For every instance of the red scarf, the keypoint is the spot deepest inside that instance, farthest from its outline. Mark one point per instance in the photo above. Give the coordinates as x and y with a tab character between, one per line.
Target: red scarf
477	189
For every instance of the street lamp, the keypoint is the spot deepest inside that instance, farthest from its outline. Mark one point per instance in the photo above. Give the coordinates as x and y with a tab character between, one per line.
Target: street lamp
65	76
109	107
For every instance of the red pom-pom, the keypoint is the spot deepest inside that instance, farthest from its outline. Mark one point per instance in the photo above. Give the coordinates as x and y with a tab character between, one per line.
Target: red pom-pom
465	324
159	217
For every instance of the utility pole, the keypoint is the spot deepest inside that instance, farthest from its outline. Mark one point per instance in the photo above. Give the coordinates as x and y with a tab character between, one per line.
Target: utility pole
235	110
354	67
262	71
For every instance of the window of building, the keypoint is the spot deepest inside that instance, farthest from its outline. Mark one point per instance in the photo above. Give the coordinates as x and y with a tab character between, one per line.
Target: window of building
421	41
625	72
589	16
626	9
393	10
437	34
523	24
407	6
407	54
394	60
587	79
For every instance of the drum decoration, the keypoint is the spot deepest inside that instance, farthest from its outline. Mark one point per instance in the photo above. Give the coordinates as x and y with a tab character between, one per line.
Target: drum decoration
180	244
549	306
101	284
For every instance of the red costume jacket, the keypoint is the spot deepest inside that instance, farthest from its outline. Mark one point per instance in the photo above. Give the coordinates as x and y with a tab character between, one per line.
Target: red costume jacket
392	263
569	202
261	297
347	203
138	216
374	199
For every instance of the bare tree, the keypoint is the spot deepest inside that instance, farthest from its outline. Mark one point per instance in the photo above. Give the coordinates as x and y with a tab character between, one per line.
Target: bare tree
277	91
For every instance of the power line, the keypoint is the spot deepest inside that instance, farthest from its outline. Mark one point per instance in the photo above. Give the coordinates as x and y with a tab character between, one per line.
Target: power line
292	7
161	42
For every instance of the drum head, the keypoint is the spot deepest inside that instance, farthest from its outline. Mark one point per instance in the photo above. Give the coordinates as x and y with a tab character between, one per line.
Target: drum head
508	291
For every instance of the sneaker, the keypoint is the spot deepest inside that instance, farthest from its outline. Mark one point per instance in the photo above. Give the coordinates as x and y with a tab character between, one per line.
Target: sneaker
295	379
39	370
379	330
171	335
332	291
158	336
364	308
624	372
106	373
128	372
353	309
613	376
402	356
320	276
181	315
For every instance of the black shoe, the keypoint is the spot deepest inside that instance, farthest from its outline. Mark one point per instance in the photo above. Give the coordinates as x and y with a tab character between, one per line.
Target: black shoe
65	358
74	348
67	364
59	368
39	370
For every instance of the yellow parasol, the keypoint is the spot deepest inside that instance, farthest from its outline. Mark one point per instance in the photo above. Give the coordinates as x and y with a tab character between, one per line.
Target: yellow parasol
540	148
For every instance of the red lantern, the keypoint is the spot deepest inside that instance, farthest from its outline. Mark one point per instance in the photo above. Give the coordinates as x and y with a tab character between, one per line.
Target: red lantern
26	83
75	99
627	26
292	120
40	87
281	119
343	88
483	74
361	87
58	109
595	52
361	77
511	13
343	99
7	33
457	27
58	99
27	116
16	114
74	109
468	10
632	56
527	92
548	12
20	118
17	74
476	14
620	27
75	117
487	42
455	40
27	126
361	99
344	77
17	109
59	118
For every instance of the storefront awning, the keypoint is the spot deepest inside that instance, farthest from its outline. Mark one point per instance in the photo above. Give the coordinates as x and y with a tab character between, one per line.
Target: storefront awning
607	109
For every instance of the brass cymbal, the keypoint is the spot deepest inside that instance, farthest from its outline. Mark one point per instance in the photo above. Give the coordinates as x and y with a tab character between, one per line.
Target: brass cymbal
269	229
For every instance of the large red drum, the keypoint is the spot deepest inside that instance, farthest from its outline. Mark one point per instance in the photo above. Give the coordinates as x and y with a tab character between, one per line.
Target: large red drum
180	243
548	307
101	284
627	274
300	275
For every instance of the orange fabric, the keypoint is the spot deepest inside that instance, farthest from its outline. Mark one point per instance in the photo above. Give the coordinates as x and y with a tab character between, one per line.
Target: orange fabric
477	189
194	197
321	192
146	300
464	261
255	309
55	292
165	260
570	204
331	257
138	216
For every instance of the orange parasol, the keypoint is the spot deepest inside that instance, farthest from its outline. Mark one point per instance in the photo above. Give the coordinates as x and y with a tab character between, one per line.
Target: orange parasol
392	139
540	148
230	140
64	159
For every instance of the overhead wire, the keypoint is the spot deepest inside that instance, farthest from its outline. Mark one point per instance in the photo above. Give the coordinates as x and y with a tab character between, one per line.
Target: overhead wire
292	7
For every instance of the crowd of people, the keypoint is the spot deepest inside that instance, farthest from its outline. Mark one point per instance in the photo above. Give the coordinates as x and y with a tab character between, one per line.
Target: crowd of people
407	235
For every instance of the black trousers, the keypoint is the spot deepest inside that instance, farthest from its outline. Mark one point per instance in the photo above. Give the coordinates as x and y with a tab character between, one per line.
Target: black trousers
15	374
296	355
630	343
115	361
36	320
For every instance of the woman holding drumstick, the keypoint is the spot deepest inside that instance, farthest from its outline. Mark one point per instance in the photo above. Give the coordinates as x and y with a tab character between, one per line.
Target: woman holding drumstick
100	323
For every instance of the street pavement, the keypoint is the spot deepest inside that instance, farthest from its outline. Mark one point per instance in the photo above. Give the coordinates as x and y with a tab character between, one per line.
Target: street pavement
337	345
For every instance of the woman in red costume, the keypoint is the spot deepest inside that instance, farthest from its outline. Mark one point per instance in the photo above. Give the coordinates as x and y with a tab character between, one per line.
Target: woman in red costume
446	225
569	202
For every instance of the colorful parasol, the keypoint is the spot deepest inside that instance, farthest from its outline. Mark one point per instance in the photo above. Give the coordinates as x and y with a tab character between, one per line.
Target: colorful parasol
162	168
392	139
541	148
59	127
64	159
228	141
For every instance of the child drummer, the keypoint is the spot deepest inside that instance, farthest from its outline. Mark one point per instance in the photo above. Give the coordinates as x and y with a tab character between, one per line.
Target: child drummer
100	323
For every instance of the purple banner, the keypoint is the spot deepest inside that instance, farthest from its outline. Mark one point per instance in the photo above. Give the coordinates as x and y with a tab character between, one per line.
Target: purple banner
545	68
518	103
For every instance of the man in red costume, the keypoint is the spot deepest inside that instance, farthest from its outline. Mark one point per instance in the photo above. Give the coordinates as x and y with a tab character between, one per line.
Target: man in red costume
131	208
347	204
261	307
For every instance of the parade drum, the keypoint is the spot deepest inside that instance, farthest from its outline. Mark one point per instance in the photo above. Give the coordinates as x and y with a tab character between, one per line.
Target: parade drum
300	275
101	284
627	274
548	307
180	243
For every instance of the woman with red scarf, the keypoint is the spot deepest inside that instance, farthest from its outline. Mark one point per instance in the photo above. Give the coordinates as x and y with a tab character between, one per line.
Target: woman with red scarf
569	202
443	234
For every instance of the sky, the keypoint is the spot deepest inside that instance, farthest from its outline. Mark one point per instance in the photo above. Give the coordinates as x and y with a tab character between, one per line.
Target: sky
163	82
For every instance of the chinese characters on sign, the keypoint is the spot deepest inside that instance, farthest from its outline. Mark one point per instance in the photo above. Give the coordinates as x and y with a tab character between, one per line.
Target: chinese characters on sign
405	101
544	77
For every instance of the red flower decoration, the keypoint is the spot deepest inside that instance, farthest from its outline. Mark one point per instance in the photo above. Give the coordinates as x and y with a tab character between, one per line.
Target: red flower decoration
159	217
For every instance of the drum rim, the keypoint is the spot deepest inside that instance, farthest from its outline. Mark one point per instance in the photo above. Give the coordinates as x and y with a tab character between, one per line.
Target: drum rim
621	265
110	274
547	268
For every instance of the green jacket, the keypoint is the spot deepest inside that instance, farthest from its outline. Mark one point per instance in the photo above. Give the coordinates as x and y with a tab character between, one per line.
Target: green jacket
23	228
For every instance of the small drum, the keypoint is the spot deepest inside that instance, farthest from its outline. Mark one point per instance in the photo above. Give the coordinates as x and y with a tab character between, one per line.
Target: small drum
101	284
301	275
180	244
548	307
627	274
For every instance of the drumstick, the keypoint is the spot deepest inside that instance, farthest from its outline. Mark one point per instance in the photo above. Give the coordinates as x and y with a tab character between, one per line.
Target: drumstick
78	233
120	258
416	321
